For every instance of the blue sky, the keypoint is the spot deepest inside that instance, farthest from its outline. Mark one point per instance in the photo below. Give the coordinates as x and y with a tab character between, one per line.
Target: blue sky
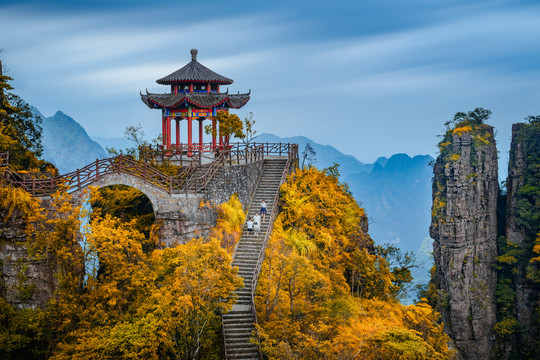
371	78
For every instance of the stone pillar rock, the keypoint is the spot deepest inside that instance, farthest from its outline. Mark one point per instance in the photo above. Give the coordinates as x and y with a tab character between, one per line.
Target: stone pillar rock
464	229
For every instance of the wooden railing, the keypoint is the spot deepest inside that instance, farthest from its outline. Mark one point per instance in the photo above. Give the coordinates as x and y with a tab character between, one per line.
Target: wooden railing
184	182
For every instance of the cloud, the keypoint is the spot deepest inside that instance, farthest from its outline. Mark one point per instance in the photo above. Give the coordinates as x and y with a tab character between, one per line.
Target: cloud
302	66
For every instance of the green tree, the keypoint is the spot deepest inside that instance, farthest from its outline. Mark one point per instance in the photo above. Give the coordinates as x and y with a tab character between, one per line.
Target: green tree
20	130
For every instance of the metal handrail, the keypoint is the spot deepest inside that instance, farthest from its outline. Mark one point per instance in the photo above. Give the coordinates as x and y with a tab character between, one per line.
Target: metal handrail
289	166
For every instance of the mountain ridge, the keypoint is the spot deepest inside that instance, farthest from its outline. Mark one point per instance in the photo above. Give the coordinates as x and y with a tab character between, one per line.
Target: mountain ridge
66	143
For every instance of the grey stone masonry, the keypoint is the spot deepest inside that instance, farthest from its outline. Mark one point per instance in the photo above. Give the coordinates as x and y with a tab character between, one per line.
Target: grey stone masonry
182	215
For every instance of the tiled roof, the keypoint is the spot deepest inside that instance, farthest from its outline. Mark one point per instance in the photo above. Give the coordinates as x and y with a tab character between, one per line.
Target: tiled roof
201	100
196	72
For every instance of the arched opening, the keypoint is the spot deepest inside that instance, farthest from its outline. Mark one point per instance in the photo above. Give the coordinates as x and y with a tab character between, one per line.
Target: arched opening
127	204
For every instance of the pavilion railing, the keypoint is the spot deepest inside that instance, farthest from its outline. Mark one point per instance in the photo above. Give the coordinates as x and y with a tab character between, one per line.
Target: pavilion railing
186	181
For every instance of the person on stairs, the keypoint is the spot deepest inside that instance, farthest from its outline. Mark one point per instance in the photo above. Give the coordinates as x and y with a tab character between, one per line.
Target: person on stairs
249	226
263	209
257	223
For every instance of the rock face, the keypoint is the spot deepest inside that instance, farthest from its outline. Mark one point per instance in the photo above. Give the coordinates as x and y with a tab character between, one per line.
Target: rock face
24	282
464	229
526	295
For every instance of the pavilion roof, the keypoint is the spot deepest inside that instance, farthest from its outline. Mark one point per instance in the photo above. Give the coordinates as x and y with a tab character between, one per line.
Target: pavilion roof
194	72
201	100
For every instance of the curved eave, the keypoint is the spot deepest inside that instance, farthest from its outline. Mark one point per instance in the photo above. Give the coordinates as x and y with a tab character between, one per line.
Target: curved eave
176	81
171	101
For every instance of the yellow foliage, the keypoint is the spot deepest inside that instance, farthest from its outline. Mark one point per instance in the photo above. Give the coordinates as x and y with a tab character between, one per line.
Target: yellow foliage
462	130
228	229
323	293
137	304
15	202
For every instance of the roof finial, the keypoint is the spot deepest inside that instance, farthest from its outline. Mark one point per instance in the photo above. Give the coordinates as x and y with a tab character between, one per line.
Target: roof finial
193	54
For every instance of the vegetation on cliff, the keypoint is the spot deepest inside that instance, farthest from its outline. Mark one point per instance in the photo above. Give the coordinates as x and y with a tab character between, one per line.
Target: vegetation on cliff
518	262
142	303
472	123
325	291
20	131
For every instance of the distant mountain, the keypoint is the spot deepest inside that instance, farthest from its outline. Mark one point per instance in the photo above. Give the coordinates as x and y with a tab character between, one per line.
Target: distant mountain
395	192
66	144
326	155
396	195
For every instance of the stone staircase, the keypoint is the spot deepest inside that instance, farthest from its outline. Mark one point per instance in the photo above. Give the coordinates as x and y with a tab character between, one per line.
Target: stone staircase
238	324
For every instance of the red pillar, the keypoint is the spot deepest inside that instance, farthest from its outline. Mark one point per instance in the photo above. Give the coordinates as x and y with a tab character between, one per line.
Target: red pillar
190	87
177	135
214	134
208	89
168	132
164	130
189	135
201	134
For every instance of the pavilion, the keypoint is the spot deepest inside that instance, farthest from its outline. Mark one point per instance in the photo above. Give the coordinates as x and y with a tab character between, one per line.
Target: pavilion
195	95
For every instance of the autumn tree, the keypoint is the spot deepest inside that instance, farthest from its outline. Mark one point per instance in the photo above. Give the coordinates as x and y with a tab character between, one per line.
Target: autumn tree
326	292
139	302
229	224
229	125
127	204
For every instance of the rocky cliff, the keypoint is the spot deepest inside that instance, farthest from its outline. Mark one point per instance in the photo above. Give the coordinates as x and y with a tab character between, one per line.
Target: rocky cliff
24	281
464	229
522	211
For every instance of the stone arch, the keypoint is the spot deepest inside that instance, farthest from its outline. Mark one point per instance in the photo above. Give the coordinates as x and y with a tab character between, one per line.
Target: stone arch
153	193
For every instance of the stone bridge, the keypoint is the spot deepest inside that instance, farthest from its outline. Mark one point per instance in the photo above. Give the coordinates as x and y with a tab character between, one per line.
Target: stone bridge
176	200
181	214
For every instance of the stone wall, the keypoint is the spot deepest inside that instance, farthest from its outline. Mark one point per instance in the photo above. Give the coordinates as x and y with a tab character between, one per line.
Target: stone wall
182	216
239	179
29	283
25	283
464	229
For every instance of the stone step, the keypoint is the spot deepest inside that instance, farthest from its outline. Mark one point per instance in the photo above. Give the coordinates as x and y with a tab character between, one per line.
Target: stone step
246	254
237	313
247	278
233	334
241	347
248	251
240	338
238	323
244	261
251	355
248	247
238	327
